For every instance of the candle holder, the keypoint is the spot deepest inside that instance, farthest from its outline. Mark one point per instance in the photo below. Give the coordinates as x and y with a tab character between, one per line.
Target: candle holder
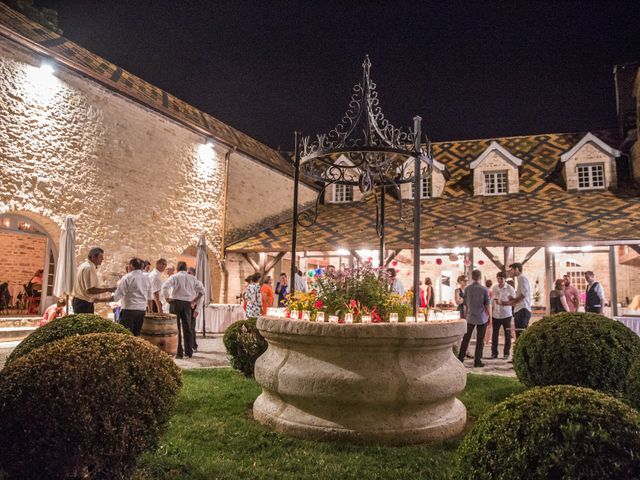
366	318
320	317
293	314
306	315
410	319
420	318
393	317
348	318
333	319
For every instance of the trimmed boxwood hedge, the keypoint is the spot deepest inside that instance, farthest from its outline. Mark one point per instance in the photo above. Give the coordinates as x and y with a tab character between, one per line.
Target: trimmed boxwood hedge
85	407
562	432
633	385
79	324
244	344
584	349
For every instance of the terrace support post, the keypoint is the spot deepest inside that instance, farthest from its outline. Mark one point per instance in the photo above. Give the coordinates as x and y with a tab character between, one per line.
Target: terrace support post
417	132
613	280
549	275
381	253
471	263
294	224
509	257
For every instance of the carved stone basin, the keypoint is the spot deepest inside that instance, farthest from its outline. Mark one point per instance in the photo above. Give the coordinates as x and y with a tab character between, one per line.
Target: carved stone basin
373	383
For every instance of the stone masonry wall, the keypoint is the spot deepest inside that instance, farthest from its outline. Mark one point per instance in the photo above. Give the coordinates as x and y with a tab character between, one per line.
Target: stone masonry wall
493	163
135	182
589	154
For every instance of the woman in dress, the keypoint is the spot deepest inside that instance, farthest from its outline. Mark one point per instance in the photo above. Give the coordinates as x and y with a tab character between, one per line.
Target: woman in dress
282	289
557	300
253	298
266	293
430	294
459	294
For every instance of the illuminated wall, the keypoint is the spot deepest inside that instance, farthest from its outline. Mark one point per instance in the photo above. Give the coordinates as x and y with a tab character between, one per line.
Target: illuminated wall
135	182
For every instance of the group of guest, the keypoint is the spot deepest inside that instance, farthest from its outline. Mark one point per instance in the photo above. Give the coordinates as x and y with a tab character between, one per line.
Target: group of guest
140	291
566	298
259	294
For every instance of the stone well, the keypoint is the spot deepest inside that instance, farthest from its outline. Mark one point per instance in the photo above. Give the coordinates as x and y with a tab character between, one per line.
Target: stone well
376	383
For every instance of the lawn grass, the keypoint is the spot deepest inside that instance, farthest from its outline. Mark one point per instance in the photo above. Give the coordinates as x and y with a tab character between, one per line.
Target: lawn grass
212	436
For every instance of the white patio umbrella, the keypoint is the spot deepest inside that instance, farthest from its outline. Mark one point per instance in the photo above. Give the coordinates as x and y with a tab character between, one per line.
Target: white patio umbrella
204	275
66	267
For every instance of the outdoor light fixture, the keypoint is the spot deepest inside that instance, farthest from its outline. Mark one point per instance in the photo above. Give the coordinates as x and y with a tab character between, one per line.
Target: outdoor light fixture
343	252
556	249
46	67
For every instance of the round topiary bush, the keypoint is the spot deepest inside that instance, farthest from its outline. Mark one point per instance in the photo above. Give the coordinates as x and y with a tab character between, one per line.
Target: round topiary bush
79	324
84	407
244	345
561	432
583	349
632	393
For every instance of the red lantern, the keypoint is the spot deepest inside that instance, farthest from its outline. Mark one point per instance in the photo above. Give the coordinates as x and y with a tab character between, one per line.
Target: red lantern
408	273
394	263
369	259
480	262
422	262
438	261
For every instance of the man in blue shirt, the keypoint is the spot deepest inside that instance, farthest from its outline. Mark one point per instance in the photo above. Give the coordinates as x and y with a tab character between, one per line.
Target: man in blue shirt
477	309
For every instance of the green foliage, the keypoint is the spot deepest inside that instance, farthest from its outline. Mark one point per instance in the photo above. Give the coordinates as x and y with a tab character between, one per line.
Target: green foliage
79	324
44	16
212	436
244	344
85	406
632	393
365	286
583	349
561	432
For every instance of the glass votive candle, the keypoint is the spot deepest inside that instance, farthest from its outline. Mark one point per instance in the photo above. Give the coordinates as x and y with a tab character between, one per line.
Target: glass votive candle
393	317
420	317
333	319
410	319
306	315
294	314
366	318
320	317
348	318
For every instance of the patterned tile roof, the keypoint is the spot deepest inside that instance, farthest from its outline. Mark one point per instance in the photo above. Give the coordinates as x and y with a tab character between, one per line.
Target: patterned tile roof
14	24
542	213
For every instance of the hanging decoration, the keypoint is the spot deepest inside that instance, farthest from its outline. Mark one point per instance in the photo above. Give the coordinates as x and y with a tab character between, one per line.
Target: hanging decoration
480	262
394	263
438	261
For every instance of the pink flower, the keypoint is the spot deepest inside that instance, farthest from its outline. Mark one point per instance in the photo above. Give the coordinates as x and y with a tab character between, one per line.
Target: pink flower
319	304
353	303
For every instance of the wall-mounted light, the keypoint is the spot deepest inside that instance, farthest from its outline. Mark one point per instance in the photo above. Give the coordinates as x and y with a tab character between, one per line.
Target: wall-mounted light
47	68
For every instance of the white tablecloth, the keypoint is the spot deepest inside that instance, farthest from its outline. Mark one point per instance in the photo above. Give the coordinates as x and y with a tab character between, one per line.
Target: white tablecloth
218	316
633	323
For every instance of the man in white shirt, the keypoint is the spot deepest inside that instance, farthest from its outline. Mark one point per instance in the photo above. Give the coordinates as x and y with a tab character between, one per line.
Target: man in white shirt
396	285
183	291
169	271
299	282
156	278
501	292
86	286
521	301
134	290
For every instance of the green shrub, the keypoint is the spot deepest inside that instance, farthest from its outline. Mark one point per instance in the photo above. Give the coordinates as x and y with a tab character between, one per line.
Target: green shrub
84	406
244	344
79	324
583	349
557	432
632	393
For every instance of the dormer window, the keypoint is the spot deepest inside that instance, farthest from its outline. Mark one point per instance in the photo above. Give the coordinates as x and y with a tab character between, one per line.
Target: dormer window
425	190
496	183
342	193
591	177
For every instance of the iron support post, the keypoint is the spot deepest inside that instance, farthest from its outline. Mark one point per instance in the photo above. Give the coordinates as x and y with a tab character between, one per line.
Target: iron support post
416	213
294	224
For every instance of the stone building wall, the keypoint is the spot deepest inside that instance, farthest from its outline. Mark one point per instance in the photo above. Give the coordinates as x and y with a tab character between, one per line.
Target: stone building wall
493	163
135	182
590	154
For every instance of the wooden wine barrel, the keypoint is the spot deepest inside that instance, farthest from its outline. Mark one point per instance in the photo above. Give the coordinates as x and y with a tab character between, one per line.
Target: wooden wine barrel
161	329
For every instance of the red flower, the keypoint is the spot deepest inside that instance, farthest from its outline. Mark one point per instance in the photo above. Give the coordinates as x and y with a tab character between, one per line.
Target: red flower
319	304
353	303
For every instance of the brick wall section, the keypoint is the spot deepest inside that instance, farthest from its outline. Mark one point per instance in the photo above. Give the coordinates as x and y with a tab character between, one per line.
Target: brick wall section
20	256
135	182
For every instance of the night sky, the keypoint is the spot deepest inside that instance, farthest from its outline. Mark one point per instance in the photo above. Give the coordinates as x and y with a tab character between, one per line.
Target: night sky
470	69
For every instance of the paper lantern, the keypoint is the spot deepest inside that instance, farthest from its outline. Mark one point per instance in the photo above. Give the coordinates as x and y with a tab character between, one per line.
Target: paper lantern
369	259
319	271
480	262
311	273
408	273
438	261
394	263
422	262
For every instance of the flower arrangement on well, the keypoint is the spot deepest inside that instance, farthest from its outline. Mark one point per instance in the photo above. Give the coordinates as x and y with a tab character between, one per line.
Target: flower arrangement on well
360	291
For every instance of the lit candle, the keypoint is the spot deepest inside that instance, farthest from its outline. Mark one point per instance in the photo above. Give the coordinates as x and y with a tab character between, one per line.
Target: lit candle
366	318
393	317
410	319
294	314
421	317
320	317
348	318
333	319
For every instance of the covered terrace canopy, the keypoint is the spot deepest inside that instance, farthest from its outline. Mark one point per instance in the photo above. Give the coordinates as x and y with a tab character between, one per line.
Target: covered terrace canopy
543	213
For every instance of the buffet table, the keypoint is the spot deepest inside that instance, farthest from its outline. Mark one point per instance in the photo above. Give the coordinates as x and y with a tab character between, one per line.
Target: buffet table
218	316
632	322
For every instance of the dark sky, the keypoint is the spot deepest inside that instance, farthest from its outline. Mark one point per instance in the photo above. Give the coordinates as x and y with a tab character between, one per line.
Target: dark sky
470	69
